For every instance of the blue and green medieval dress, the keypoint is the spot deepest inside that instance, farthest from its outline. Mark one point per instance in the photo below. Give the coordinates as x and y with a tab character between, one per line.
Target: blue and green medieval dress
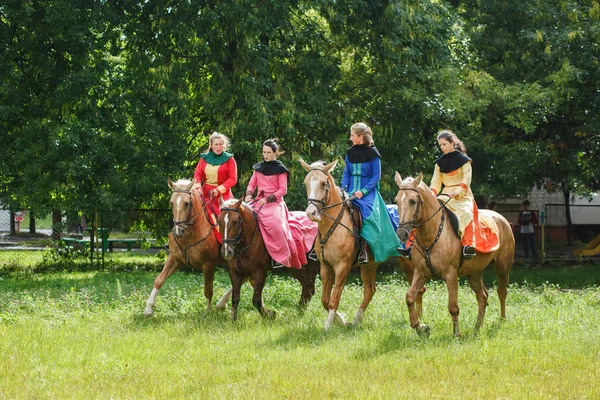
362	173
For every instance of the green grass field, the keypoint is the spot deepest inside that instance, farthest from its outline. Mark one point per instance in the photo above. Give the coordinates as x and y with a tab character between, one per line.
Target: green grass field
82	335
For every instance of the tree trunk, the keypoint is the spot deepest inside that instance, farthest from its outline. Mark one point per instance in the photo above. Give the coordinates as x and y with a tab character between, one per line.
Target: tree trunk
56	224
567	194
31	222
13	226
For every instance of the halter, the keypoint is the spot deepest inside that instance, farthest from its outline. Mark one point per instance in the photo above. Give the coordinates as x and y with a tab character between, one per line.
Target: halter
425	251
239	236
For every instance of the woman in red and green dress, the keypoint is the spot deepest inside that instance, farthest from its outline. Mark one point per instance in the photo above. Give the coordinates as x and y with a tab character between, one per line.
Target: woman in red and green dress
216	172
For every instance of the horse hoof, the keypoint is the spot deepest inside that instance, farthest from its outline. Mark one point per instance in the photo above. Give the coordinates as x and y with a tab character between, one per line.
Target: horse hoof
423	330
148	313
270	314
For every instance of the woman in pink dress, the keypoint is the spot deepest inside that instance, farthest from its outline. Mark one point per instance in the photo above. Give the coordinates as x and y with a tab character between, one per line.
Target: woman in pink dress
288	236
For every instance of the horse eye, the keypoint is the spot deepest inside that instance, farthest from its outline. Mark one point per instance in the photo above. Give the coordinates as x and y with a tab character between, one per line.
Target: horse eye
412	202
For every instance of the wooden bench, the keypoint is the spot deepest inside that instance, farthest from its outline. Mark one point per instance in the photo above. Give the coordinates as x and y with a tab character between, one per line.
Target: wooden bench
128	242
74	241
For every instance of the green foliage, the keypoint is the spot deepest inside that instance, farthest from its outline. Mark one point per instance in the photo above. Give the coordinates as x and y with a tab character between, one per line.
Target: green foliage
102	101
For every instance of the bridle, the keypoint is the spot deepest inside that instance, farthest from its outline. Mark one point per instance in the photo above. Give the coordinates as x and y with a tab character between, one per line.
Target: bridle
239	235
322	208
414	223
190	220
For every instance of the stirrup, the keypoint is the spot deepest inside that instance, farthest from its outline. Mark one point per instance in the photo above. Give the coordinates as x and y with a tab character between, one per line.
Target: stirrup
469	252
406	253
275	264
363	257
312	255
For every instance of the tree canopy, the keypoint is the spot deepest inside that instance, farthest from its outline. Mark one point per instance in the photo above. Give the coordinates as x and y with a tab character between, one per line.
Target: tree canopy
102	101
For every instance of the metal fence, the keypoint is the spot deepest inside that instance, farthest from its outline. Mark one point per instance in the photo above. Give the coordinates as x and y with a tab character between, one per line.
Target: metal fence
82	241
138	237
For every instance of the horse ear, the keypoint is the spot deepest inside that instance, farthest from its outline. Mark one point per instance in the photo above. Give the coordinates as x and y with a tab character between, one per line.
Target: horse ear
329	167
170	182
239	203
304	164
189	187
221	202
398	179
418	180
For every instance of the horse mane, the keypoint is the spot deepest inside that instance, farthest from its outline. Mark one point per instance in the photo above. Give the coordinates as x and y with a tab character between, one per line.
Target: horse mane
229	203
318	164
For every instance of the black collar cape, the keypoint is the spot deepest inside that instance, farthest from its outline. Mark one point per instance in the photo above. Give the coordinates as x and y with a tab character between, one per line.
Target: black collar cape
452	161
271	168
214	159
361	153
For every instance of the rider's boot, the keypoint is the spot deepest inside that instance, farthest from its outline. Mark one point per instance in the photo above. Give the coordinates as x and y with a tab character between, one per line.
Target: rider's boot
363	257
404	252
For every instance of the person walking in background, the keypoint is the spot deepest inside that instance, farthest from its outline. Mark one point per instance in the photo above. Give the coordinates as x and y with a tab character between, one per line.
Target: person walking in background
527	221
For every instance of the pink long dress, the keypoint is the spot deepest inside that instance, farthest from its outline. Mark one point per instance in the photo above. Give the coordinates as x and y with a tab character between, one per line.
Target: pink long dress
288	236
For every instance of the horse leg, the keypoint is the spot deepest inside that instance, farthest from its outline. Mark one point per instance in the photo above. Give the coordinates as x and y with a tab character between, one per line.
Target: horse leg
341	274
413	298
502	267
170	266
258	285
208	270
409	270
222	303
367	275
476	283
452	285
236	285
326	285
301	276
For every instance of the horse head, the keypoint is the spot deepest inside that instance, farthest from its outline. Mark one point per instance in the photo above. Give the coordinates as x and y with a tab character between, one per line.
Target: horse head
230	225
318	183
182	204
409	204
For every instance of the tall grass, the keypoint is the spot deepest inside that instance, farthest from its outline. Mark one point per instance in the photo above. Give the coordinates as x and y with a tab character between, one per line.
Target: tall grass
82	335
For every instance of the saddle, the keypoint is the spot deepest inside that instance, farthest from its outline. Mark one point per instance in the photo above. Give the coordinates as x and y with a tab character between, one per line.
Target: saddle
453	218
356	218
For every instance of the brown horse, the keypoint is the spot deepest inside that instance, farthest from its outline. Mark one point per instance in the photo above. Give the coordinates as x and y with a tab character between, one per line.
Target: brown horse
336	247
191	242
437	251
244	249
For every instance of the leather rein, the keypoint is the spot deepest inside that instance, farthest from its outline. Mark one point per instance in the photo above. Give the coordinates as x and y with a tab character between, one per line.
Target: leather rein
425	251
188	221
239	236
322	207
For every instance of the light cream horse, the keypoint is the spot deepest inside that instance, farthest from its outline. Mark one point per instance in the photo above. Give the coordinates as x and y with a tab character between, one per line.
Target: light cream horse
192	242
437	251
336	246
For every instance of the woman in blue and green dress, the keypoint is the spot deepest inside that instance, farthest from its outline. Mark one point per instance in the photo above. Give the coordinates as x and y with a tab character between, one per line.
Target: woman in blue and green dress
361	179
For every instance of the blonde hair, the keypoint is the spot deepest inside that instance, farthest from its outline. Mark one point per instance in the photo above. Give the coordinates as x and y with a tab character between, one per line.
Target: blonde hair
217	135
363	130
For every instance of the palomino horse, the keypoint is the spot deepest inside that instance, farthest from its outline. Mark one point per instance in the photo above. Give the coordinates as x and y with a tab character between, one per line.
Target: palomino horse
437	251
244	249
192	242
336	247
